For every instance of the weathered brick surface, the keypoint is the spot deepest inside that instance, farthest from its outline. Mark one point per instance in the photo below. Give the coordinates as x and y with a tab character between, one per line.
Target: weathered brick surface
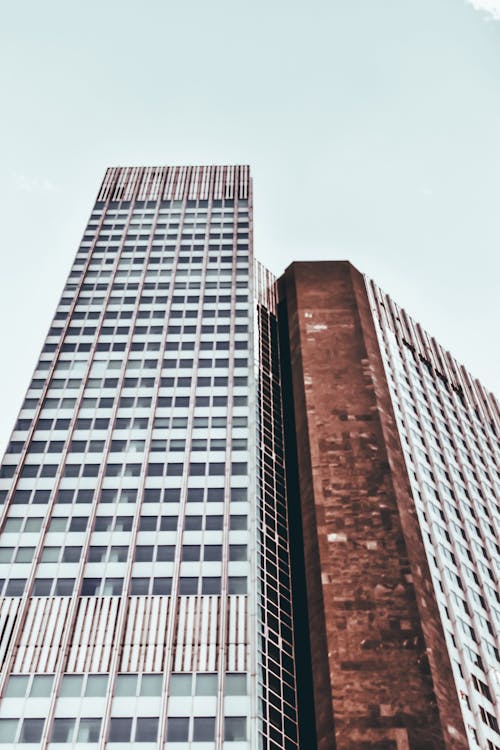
381	673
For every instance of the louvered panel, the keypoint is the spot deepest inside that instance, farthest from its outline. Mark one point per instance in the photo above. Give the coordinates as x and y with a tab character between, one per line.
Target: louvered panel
190	634
144	184
8	615
429	352
137	635
182	181
442	365
218	183
54	627
203	640
168	190
242	633
229	191
161	632
42	635
179	639
143	633
40	613
398	328
132	183
243	182
73	649
25	636
56	642
127	643
110	635
154	191
194	183
212	635
87	634
205	183
107	183
96	643
489	404
231	639
152	637
120	184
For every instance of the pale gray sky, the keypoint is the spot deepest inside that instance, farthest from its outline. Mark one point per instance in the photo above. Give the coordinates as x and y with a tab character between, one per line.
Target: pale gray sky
372	128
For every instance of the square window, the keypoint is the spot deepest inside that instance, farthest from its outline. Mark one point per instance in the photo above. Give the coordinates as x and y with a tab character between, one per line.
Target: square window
15	587
89	730
172	495
139	586
206	684
126	684
188	586
91	586
8	728
165	553
63	730
190	553
210	585
96	685
180	684
162	586
41	687
168	523
237	585
71	554
143	553
64	586
120	730
178	729
16	687
235	728
235	684
31	731
112	587
34	524
151	684
146	729
71	686
204	728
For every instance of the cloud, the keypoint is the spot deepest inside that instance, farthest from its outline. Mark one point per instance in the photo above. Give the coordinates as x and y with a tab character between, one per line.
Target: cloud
27	184
492	7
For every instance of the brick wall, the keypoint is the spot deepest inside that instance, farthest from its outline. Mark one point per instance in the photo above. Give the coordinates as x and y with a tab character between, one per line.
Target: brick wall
380	671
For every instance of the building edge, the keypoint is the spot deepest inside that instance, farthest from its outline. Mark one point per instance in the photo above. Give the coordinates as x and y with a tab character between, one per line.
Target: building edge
439	706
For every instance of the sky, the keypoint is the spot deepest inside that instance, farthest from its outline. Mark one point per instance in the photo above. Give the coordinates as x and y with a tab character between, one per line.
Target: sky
372	128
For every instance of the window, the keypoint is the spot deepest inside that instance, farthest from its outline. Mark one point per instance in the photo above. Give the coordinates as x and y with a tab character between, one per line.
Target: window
206	684
89	730
63	730
235	728
235	684
41	686
204	729
120	730
8	729
180	684
178	729
31	731
146	730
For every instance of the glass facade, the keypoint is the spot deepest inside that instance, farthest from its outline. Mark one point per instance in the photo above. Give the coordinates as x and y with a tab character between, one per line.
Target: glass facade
128	548
448	428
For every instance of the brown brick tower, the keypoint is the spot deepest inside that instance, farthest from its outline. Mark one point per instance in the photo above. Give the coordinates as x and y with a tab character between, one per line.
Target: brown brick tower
381	674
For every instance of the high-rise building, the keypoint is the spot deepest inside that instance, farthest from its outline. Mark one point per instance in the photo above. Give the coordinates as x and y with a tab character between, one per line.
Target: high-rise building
240	513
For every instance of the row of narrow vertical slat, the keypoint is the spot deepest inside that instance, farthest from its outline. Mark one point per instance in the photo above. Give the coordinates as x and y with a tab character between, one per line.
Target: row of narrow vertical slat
196	634
175	183
426	347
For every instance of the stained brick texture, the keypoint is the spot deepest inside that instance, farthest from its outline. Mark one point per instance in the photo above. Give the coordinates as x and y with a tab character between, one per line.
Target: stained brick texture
381	672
